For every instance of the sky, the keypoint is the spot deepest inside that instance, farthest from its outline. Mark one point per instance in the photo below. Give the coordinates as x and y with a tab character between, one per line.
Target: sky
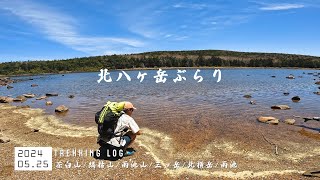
60	29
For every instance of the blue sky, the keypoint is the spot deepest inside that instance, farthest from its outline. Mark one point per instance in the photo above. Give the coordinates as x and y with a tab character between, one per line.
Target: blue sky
60	29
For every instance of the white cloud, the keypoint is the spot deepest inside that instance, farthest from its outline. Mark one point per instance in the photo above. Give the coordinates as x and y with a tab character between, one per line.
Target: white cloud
279	7
190	5
180	38
62	28
224	20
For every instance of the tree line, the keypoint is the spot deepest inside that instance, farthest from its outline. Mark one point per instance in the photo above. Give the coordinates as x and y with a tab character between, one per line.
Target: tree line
200	58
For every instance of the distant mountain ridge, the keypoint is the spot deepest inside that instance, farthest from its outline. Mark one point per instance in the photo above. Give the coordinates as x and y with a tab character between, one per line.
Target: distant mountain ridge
156	59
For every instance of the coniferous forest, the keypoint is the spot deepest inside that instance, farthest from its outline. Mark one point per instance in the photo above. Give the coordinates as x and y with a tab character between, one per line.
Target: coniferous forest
197	58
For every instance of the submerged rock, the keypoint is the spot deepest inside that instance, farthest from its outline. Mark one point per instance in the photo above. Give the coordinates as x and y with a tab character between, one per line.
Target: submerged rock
23	106
71	96
286	93
9	87
20	98
282	107
268	120
307	119
247	96
61	108
290	121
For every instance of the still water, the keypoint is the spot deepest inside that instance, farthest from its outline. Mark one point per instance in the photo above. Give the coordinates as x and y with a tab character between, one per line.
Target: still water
187	100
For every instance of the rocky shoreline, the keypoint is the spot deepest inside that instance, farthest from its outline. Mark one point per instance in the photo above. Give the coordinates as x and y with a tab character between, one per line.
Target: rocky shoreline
261	150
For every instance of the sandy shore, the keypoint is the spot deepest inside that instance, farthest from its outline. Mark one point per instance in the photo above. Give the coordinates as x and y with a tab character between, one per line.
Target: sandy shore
154	148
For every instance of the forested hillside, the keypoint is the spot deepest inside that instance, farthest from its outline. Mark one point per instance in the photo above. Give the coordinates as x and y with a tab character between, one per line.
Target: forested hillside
198	58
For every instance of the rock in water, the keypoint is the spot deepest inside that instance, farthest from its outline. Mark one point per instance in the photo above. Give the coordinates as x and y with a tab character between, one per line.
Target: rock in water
247	96
23	107
42	97
282	107
61	108
4	99
49	103
318	82
29	95
318	93
34	85
20	98
4	140
290	76
295	98
307	119
286	93
316	118
52	94
9	87
71	96
253	102
290	121
268	120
